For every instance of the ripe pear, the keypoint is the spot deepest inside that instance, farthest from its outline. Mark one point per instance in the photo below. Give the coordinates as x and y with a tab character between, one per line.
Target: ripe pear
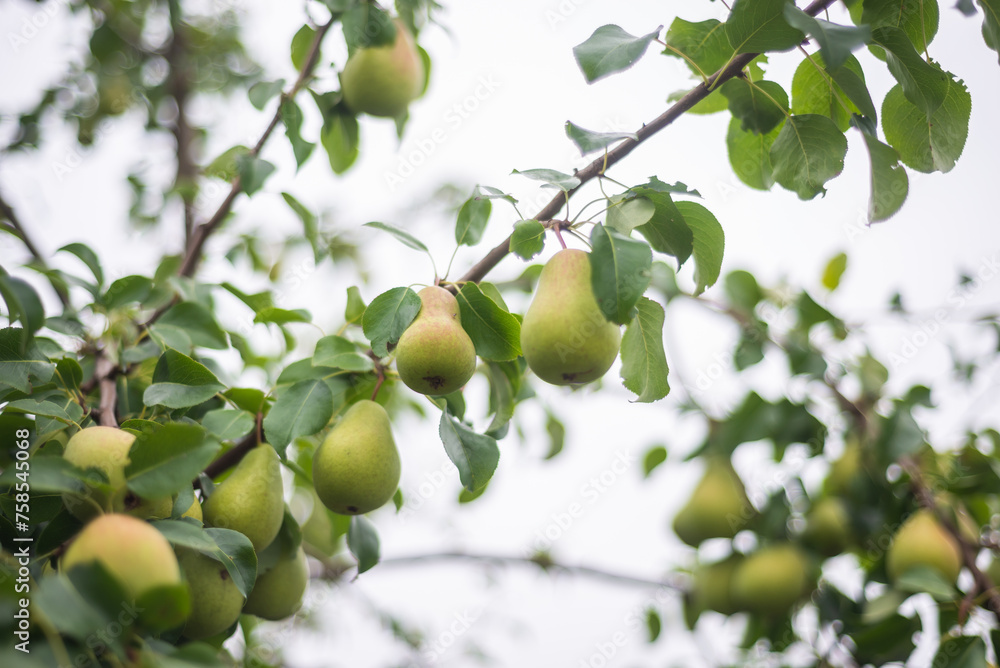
278	592
435	355
771	580
718	507
135	553
356	468
712	587
922	541
565	338
106	449
216	602
828	527
383	80
251	499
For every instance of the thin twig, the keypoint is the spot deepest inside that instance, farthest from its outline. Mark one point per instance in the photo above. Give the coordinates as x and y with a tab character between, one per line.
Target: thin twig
615	155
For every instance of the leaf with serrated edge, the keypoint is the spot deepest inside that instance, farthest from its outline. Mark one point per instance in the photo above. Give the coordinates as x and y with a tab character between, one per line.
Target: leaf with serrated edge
644	363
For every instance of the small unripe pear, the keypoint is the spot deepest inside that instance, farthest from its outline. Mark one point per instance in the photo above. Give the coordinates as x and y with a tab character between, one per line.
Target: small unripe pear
712	587
922	541
251	499
435	355
107	449
318	529
718	507
565	338
845	470
771	580
356	469
278	592
135	553
828	527
216	601
383	80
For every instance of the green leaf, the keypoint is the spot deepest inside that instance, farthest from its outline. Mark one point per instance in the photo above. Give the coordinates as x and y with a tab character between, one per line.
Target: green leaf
655	456
475	455
589	141
52	475
835	41
88	257
228	424
236	553
301	42
402	236
925	579
340	353
367	25
280	316
225	165
709	243
261	92
472	219
852	82
759	25
355	308
610	49
889	182
126	290
253	172
620	271
44	408
291	116
704	45
557	435
551	178
341	138
991	23
835	268
164	461
301	410
83	604
644	364
388	316
653	625
362	541
180	382
197	322
928	145
489	192
808	152
925	85
495	333
18	366
309	227
891	639
761	106
816	91
627	212
502	400
528	239
750	155
667	231
961	652
917	19
23	303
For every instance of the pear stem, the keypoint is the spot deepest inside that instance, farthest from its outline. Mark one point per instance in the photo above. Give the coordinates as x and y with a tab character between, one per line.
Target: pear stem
559	236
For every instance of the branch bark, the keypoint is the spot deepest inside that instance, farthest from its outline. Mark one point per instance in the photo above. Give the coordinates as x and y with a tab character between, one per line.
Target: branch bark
180	89
615	155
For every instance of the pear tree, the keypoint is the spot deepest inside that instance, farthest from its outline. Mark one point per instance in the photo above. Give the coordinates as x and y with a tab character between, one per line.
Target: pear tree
197	459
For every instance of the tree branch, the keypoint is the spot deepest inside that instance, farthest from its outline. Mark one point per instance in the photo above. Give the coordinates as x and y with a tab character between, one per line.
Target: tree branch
615	155
192	254
180	88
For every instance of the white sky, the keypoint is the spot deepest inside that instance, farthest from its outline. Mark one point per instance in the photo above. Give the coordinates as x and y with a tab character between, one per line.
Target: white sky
522	51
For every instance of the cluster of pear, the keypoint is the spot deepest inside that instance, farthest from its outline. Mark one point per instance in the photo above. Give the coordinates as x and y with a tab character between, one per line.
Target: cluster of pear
383	80
250	500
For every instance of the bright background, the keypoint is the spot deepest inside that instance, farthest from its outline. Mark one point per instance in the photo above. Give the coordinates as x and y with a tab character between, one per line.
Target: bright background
504	82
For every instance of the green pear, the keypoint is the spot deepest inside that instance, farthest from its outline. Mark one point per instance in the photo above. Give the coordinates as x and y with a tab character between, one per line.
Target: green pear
771	580
135	553
383	80
565	338
718	507
712	586
356	468
828	527
318	530
278	592
922	541
435	355
107	449
195	511
216	601
845	470
251	499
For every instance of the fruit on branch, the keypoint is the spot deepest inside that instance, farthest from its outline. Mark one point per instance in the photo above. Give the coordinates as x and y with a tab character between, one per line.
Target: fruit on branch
318	530
845	470
107	449
383	80
828	527
718	507
434	355
564	336
922	541
216	601
356	468
131	550
251	499
771	580
712	586
278	592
